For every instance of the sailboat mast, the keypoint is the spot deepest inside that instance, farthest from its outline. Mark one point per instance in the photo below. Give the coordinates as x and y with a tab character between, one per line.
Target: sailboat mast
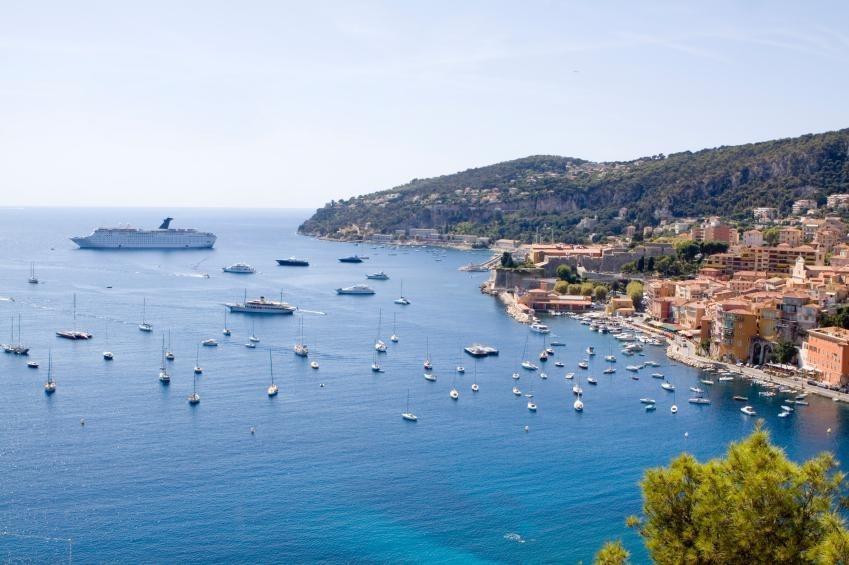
271	366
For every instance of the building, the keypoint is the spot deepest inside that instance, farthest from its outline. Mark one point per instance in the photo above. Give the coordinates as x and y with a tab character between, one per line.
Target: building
630	231
587	223
837	201
429	234
779	259
790	236
826	351
543	300
753	238
714	230
764	214
732	332
802	206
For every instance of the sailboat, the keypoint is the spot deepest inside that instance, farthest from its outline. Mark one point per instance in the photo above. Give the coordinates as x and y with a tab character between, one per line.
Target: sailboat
74	334
107	355
475	386
253	338
169	356
401	299
194	397
531	404
427	364
301	350
33	279
50	385
226	331
144	325
527	365
164	377
273	389
406	414
454	394
543	356
375	366
379	344
198	369
17	348
394	337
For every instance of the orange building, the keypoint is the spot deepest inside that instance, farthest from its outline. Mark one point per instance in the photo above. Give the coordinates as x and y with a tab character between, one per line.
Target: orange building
827	351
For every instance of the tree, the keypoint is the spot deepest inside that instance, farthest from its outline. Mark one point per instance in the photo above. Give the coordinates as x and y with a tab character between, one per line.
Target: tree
641	263
574	289
784	352
561	287
600	293
771	236
752	506
612	553
711	247
687	250
650	265
635	291
507	260
564	272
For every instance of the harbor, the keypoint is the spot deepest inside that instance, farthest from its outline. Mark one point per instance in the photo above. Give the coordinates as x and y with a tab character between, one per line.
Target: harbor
314	438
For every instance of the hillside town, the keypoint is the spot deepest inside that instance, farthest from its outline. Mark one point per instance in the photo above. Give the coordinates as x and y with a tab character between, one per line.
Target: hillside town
774	293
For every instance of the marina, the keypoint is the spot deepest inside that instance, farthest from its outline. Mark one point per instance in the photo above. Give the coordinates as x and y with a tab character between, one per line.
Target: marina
318	427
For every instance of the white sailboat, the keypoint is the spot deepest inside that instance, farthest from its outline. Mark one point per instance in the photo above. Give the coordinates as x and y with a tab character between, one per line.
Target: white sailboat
394	337
33	279
194	397
198	370
107	355
427	364
50	385
375	366
226	331
401	299
145	326
301	349
531	404
253	338
475	386
273	389
406	414
169	356
379	344
164	377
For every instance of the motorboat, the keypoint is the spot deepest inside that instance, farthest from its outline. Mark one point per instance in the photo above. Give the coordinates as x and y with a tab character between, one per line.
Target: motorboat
461	369
592	380
668	386
706	381
633	368
673	409
696	389
609	371
351	259
357	289
210	343
569	376
430	377
558	364
590	350
543	376
516	391
478	350
578	405
740	398
381	276
647	401
454	394
527	365
576	389
539	328
651	407
748	411
380	346
251	345
532	406
583	365
32	364
657	375
240	269
698	400
515	376
610	358
293	262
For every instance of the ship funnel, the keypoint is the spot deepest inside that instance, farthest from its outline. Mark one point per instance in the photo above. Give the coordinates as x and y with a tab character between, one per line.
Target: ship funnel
165	223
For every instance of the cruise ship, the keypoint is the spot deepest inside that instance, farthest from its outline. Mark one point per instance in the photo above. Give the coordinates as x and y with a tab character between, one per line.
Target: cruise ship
164	237
261	306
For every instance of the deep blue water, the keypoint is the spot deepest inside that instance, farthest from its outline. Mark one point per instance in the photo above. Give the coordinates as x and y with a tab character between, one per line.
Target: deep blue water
332	473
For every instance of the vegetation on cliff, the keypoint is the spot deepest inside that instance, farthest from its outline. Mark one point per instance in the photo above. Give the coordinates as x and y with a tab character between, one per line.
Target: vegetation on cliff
550	195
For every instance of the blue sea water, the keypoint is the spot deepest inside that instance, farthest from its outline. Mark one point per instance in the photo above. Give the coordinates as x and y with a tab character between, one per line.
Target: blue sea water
332	473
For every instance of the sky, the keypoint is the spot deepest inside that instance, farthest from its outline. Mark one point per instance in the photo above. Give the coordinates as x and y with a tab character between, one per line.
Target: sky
292	104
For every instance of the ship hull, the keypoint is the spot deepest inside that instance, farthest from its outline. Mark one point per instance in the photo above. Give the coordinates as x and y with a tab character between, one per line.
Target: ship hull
130	243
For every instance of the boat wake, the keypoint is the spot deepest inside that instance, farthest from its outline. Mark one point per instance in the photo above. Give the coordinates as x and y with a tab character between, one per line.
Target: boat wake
316	312
511	536
6	299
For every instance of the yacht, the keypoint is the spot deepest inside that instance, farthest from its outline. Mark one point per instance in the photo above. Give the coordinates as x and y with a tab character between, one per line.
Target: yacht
740	398
657	375
402	300
240	269
475	386
351	259
32	364
539	328
696	389
527	365
706	381
355	289
165	237
576	389
107	355
261	306
668	386
406	414
209	343
394	337
381	276
293	262
698	400
748	411
144	325
273	389
633	368
478	350
301	349
33	279
16	348
251	345
651	407
516	391
198	370
610	358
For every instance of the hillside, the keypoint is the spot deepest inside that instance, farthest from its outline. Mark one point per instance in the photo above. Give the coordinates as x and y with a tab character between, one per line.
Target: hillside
515	198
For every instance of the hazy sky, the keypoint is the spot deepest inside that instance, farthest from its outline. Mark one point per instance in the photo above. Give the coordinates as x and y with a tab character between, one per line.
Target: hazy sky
248	103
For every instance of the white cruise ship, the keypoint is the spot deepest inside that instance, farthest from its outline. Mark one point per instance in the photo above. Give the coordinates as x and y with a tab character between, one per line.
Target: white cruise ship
261	306
164	237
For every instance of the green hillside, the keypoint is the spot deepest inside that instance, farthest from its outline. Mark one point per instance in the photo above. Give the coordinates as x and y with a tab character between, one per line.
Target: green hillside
516	198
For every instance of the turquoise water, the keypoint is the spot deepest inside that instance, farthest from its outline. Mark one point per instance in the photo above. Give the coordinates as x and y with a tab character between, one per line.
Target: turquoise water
332	473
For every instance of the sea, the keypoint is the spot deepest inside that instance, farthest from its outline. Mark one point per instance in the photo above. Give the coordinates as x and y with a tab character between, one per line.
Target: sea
116	467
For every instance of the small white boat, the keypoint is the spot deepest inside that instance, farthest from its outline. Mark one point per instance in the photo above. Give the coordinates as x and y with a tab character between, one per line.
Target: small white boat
430	377
406	414
610	359
252	338
402	300
461	369
381	276
273	389
33	279
590	350
194	397
527	365
609	371
516	376
668	386
576	389
787	408
706	381
539	328
783	414
569	376
209	343
543	376
50	385
748	411
454	394
33	364
696	389
532	406
698	400
647	400
674	409
516	391
250	345
558	364
578	405
475	387
657	375
584	365
592	380
726	378
313	364
164	377
144	325
198	370
632	368
651	407
226	331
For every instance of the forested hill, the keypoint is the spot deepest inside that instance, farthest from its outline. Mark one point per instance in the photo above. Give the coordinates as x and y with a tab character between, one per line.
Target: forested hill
515	198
